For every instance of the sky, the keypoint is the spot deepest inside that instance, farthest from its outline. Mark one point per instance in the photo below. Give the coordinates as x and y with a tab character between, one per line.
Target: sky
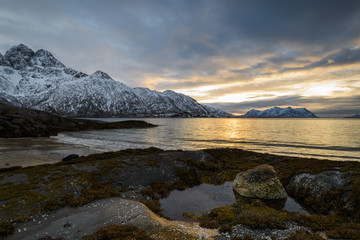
232	54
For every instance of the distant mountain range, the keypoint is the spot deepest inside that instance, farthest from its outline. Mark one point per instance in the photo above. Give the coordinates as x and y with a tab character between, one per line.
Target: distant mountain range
354	116
277	112
38	80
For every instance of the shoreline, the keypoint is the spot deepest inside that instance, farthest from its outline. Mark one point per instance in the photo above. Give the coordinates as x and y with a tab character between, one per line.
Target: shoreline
25	152
36	151
147	175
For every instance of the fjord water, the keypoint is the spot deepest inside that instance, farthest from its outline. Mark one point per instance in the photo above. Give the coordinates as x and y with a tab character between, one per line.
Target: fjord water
334	139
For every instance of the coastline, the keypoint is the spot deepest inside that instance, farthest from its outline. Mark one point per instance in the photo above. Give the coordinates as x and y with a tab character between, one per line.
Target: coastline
48	198
147	175
26	152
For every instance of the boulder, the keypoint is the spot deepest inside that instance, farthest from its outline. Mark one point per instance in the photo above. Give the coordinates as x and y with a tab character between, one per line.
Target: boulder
316	184
260	182
93	216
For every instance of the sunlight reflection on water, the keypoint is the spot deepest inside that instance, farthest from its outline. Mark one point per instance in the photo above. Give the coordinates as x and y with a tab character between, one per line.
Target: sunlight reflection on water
335	139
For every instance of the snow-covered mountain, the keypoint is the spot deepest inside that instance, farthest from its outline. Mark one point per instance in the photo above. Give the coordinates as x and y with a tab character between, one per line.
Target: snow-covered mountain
277	112
38	80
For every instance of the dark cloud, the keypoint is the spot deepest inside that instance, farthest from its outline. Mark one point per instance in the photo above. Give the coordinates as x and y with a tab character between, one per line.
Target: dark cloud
189	41
321	22
342	57
345	56
281	59
161	32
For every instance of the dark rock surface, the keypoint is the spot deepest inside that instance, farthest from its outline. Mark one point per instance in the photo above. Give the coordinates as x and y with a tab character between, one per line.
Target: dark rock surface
70	157
318	183
325	192
102	212
22	122
242	231
3	61
19	56
32	194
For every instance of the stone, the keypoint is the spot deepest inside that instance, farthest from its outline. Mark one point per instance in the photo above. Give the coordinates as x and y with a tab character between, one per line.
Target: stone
22	122
18	121
316	184
93	216
241	231
260	182
70	157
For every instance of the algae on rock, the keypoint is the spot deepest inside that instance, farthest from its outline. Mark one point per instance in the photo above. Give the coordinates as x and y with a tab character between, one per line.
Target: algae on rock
259	182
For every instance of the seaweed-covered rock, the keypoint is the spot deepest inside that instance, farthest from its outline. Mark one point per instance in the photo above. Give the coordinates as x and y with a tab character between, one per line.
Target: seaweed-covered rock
23	122
260	182
70	157
326	192
316	184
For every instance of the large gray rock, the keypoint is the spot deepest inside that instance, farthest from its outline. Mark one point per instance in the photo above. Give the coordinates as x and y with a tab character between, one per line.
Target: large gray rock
74	223
316	184
260	182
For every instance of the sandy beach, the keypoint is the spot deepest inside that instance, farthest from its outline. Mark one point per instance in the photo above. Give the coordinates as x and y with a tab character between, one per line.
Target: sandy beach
26	152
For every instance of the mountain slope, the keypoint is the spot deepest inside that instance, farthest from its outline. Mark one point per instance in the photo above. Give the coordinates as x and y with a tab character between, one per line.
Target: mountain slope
277	112
38	80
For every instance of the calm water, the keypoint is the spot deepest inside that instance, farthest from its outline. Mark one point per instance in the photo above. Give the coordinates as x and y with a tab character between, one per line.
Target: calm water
335	139
205	197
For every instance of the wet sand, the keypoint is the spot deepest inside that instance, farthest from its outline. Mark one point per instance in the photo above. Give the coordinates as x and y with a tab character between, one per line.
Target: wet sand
35	151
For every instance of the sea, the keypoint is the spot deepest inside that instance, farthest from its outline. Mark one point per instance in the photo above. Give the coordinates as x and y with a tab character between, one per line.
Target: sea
322	138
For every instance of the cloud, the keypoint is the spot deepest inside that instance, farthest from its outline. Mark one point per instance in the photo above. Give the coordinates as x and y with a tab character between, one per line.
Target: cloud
252	70
342	57
345	56
244	44
322	106
306	22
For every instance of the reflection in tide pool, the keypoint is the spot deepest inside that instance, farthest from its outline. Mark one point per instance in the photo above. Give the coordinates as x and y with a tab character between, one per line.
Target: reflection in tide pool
334	139
197	200
205	197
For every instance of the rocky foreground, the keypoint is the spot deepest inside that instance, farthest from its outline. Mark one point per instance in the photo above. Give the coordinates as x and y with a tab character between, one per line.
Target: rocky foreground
62	201
23	122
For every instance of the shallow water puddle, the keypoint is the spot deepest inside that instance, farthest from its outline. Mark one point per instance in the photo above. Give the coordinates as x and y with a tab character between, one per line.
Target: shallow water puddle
198	199
292	206
205	197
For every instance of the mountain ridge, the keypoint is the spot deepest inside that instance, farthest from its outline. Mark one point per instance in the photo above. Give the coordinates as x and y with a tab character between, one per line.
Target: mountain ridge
277	112
39	81
354	116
